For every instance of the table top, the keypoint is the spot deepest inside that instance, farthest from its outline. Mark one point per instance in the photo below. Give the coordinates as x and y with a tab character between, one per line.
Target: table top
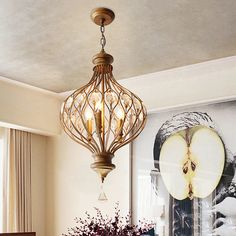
18	234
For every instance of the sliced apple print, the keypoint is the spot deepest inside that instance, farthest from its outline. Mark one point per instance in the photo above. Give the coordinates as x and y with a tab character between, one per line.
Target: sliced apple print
192	162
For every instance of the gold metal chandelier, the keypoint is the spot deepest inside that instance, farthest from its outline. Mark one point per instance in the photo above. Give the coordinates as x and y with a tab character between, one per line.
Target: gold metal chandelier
103	116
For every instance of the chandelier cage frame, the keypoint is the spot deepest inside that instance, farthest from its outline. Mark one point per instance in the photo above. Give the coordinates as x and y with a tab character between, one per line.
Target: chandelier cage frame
103	116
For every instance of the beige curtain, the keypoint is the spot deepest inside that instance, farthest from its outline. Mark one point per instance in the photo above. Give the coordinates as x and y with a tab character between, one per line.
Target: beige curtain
17	191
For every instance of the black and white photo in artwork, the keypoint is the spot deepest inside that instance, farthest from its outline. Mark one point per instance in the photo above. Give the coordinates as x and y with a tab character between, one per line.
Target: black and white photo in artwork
167	201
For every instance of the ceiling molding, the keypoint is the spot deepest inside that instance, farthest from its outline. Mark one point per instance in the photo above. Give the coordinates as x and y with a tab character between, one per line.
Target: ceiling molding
144	84
27	86
203	83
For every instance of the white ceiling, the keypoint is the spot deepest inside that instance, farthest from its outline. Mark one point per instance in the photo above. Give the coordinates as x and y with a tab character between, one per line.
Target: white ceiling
50	43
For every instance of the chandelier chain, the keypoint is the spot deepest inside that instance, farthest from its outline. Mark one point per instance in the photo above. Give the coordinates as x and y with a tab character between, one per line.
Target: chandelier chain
103	38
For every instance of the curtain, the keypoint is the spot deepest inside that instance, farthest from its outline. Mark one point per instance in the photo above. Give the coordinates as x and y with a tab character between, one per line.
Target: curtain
2	155
17	186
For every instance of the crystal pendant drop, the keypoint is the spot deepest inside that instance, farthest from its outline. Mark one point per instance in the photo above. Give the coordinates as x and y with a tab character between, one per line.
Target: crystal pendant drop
102	195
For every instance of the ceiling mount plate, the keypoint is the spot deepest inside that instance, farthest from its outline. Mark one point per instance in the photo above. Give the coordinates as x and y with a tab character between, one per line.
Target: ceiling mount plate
102	14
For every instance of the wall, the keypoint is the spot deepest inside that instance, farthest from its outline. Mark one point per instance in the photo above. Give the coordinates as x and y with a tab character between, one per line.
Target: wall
73	188
62	179
39	184
28	108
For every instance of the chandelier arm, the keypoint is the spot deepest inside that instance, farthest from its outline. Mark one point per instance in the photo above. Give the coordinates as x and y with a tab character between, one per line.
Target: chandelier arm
118	93
76	138
109	131
143	108
123	89
99	137
94	143
128	92
83	138
116	136
129	139
79	91
92	88
109	108
106	79
119	86
137	132
97	80
93	81
98	131
76	92
103	113
68	131
113	81
111	112
89	103
134	123
115	106
80	142
133	135
83	105
110	118
109	76
116	144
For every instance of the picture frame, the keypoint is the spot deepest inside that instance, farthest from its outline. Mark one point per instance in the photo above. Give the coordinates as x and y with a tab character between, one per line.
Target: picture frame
200	214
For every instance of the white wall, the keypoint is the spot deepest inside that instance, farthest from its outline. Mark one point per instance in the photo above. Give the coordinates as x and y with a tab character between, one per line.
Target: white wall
28	108
39	163
73	188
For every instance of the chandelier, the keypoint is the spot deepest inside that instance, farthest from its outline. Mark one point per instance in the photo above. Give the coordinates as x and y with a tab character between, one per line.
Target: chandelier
103	116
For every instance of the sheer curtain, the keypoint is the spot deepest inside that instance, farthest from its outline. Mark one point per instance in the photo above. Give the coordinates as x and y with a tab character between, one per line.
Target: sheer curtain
17	212
3	151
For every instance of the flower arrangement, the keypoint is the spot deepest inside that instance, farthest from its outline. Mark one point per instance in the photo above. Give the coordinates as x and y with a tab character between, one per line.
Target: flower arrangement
106	226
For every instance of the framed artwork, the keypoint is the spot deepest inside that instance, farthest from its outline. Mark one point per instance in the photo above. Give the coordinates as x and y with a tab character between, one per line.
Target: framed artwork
183	171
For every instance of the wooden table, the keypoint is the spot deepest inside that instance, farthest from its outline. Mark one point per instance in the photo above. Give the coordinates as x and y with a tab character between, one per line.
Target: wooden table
18	234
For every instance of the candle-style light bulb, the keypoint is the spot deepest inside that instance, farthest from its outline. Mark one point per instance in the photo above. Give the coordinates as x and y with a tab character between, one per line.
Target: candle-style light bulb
88	116
120	121
98	115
